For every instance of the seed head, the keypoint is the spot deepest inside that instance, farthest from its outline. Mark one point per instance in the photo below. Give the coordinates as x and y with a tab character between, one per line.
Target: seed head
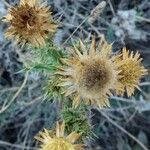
56	140
95	13
131	70
90	74
30	22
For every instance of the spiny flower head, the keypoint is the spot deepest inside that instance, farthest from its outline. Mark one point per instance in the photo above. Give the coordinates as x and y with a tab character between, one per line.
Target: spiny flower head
131	71
89	74
56	140
30	22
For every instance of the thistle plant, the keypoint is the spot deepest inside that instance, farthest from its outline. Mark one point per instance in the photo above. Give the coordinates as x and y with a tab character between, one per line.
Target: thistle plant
57	140
76	120
131	71
30	23
84	76
90	74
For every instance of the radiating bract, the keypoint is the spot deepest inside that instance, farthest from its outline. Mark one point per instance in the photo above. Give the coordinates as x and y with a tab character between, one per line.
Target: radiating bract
30	23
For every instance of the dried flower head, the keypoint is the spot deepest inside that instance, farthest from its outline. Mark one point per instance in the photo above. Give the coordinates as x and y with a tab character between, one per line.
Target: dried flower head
30	22
89	75
58	141
131	71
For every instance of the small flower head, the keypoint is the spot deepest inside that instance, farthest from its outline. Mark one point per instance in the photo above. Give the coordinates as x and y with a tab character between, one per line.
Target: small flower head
30	22
90	74
131	71
56	140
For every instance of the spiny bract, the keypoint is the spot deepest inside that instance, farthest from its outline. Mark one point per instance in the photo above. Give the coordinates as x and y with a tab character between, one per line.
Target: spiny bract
131	71
90	74
30	22
58	141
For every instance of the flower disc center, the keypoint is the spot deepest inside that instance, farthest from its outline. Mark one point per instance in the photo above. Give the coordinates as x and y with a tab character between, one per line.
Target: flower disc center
24	15
94	76
60	144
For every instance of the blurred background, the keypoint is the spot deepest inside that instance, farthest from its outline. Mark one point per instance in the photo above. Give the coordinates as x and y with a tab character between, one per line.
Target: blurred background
124	126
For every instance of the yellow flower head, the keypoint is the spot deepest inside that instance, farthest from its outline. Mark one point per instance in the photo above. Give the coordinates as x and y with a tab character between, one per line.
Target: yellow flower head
131	71
90	74
30	22
56	140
